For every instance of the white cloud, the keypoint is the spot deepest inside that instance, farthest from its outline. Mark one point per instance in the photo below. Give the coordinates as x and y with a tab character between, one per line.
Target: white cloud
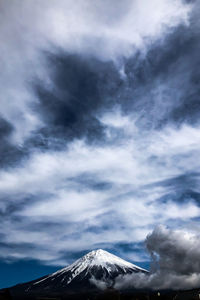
60	189
104	29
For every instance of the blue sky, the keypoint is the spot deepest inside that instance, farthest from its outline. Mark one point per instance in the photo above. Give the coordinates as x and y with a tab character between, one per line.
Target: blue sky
99	128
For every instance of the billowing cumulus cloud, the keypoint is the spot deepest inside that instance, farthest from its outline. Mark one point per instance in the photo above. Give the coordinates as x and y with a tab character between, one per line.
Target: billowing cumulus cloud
99	126
175	262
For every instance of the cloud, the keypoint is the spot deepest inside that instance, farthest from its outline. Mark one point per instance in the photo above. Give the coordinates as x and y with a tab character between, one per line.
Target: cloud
62	189
100	284
29	28
175	262
98	146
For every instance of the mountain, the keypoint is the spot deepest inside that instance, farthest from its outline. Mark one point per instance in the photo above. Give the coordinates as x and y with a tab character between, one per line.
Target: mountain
93	271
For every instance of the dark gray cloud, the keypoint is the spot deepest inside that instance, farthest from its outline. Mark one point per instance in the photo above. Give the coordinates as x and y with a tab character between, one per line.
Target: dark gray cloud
175	262
164	85
176	252
9	152
160	88
81	87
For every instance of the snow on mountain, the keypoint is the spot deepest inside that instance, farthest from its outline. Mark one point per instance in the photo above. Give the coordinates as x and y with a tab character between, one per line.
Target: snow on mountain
98	264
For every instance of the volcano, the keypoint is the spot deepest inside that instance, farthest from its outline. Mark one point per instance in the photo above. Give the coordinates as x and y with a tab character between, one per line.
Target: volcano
94	271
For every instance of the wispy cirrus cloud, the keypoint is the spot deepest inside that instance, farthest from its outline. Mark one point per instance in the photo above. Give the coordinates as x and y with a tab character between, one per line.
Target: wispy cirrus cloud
106	191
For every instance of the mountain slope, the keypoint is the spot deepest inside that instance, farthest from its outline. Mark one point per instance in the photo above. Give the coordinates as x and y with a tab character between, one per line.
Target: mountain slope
98	265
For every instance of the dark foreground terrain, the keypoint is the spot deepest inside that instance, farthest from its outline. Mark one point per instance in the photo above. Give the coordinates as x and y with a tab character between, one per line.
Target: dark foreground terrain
7	294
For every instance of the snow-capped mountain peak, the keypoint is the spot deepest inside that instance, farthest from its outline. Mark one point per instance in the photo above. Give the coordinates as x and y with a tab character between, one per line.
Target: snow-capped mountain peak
97	264
103	258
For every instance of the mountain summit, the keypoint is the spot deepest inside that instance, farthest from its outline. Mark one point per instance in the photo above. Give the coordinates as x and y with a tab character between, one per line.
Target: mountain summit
97	265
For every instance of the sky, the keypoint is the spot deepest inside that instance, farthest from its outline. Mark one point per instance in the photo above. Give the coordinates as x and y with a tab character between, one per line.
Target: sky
99	129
